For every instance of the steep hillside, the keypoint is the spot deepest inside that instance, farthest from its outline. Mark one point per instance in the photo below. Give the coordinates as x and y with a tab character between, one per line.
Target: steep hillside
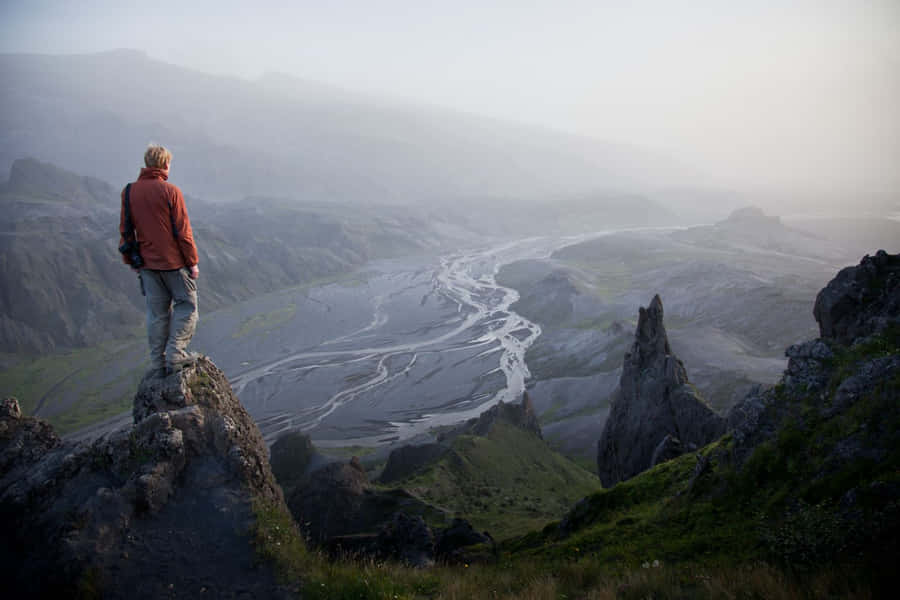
61	282
494	471
506	482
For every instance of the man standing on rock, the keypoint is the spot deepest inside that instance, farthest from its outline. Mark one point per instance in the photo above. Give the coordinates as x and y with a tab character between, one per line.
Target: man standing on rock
158	243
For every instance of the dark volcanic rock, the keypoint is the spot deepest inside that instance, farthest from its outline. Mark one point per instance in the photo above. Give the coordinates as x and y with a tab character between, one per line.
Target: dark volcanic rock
163	508
293	457
521	415
670	447
450	543
655	399
406	460
407	539
338	501
861	300
808	364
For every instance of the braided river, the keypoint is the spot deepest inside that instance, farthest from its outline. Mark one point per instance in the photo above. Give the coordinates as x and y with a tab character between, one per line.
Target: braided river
439	344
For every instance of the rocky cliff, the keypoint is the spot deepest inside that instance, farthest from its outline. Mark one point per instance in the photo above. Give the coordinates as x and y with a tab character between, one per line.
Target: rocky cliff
656	413
168	507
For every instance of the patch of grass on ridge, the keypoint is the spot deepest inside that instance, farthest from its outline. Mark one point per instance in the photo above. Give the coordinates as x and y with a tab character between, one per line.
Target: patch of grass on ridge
507	483
278	541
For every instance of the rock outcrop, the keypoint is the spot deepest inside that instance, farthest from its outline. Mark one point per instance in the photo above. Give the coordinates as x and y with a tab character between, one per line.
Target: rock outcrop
340	511
861	300
655	399
167	507
339	500
520	415
405	461
294	458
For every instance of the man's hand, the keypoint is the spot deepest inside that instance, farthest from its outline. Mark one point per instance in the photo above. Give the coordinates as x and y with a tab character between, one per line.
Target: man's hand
195	272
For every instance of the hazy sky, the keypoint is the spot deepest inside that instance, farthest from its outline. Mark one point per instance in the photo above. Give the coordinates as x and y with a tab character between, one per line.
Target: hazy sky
796	94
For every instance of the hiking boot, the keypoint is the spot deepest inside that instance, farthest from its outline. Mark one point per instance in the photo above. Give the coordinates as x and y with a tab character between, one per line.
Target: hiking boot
186	360
156	372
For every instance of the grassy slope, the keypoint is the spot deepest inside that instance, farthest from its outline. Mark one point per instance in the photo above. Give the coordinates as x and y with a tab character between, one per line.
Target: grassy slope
507	483
772	528
781	506
100	381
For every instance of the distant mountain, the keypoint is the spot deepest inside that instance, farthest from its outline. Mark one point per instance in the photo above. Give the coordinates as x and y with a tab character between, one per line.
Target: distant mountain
232	138
61	281
750	228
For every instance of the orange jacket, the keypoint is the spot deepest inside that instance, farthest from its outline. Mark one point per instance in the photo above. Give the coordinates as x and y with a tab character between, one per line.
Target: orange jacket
161	223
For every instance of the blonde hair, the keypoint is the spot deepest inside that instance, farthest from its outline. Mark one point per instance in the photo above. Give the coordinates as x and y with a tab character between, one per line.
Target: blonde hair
157	156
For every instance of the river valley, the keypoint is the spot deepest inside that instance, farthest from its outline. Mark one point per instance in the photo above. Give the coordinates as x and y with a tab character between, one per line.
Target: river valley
412	344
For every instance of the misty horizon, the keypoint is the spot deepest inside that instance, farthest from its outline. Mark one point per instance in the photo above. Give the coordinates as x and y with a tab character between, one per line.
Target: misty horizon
781	102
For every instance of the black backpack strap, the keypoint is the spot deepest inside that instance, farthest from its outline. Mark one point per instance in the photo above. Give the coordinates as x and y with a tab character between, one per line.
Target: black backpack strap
129	225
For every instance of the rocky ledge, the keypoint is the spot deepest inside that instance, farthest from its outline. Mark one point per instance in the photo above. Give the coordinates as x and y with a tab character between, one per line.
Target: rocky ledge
165	508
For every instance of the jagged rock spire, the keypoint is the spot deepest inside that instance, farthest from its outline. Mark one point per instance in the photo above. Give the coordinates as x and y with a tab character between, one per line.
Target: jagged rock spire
654	400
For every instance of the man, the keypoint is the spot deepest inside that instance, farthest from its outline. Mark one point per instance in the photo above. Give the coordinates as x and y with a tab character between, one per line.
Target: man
169	271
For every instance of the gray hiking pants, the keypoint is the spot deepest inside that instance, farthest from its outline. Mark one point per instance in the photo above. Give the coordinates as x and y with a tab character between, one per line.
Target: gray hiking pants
171	314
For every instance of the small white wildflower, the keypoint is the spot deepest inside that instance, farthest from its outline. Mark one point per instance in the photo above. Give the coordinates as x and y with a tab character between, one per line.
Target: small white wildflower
645	565
655	564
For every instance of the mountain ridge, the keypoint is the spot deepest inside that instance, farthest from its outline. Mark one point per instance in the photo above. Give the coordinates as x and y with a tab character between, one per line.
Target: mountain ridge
321	149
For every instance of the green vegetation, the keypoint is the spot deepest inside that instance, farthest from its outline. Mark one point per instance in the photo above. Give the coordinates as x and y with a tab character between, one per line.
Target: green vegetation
278	541
346	451
95	391
701	526
578	576
265	322
506	483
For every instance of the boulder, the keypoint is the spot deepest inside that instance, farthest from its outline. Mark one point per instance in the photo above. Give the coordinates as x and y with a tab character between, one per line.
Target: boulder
450	543
654	399
407	539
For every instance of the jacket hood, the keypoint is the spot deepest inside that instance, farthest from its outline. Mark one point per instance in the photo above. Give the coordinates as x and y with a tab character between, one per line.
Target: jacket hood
154	173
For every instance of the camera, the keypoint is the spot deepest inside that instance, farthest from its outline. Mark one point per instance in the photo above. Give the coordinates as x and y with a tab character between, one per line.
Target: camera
132	251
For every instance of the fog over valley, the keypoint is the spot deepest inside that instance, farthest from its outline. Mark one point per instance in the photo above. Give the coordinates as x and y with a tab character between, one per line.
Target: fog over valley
611	292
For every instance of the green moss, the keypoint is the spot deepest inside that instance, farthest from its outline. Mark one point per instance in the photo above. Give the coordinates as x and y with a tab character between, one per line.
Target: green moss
278	542
507	483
